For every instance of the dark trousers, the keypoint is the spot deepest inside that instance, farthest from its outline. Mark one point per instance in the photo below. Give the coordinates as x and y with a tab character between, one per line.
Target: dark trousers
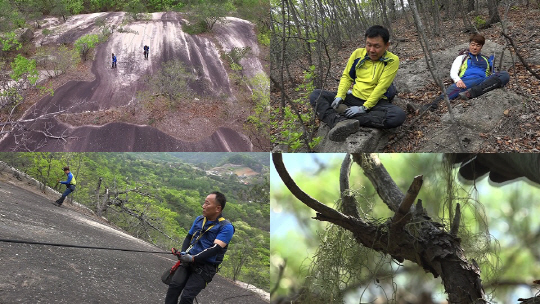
383	115
69	189
453	91
114	64
189	281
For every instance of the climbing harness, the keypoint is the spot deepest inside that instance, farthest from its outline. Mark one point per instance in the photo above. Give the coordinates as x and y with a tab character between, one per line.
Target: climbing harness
192	242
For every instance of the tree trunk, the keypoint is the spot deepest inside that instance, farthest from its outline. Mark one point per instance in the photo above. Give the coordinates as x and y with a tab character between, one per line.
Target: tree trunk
470	6
493	8
98	202
436	18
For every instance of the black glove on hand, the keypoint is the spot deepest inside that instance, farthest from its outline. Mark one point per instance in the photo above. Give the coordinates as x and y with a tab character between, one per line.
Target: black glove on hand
186	258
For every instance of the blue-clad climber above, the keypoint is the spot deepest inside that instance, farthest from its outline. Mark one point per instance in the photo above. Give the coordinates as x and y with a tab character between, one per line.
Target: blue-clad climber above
146	50
473	74
113	61
70	183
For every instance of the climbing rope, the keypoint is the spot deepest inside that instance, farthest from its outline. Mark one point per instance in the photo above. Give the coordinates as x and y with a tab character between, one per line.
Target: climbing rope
79	246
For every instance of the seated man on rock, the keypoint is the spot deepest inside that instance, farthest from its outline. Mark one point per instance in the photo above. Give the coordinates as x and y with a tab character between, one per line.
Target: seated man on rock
372	70
473	74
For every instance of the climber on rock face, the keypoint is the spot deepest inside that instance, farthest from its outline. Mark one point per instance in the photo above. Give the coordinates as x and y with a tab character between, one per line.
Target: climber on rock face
146	50
202	252
113	61
473	74
70	186
371	71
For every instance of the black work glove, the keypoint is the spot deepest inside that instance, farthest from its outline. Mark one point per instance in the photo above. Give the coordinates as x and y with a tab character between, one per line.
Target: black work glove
186	258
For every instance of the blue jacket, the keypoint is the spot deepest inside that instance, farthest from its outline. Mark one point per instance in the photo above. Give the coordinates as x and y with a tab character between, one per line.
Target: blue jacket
475	67
70	180
220	229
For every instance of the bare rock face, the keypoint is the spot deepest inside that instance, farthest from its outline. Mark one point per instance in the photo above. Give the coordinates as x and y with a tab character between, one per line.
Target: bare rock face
24	35
486	111
484	115
365	140
113	89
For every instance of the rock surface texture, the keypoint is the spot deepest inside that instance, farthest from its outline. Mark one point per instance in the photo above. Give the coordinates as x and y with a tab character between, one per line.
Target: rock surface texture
119	88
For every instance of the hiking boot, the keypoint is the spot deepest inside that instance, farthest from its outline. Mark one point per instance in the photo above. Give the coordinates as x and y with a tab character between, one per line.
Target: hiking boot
343	129
431	106
466	95
57	204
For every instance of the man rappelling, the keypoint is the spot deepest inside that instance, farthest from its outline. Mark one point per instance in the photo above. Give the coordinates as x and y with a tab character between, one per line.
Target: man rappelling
70	186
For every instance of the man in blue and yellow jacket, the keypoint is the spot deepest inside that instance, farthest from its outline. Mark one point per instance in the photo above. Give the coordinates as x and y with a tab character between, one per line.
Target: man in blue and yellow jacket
70	183
473	74
371	71
202	252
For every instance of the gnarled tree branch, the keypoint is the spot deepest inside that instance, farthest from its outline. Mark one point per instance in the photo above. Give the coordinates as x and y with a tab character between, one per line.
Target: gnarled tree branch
423	243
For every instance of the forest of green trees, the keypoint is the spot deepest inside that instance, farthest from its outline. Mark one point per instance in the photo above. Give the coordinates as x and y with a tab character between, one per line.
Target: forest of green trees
157	200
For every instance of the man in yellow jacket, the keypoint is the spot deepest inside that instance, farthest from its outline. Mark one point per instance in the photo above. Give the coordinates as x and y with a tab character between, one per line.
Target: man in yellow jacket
371	71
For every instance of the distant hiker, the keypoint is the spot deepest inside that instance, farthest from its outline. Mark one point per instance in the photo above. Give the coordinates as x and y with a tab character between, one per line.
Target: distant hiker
202	251
473	74
146	50
70	186
371	71
113	61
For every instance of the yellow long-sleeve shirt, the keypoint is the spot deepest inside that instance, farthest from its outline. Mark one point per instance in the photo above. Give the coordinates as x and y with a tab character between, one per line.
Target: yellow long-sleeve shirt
371	78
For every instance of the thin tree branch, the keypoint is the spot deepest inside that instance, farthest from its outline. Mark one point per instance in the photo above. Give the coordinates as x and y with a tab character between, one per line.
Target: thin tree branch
455	224
402	216
381	180
348	201
327	212
519	56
